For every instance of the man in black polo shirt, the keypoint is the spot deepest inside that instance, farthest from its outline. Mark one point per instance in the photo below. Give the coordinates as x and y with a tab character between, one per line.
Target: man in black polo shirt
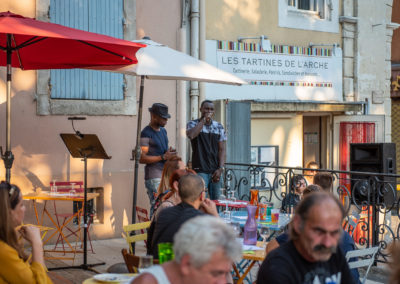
311	256
207	137
192	192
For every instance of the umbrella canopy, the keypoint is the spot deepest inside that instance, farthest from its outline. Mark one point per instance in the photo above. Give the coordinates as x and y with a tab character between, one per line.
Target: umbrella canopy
41	45
30	45
158	61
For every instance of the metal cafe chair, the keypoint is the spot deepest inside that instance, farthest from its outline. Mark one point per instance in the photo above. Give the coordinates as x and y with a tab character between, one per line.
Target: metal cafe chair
66	187
137	237
364	258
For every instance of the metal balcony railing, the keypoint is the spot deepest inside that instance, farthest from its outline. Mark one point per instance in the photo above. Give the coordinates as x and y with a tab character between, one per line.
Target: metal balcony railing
370	199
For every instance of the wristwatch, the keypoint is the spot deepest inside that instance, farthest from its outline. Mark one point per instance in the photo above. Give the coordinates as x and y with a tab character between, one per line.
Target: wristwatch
162	157
222	168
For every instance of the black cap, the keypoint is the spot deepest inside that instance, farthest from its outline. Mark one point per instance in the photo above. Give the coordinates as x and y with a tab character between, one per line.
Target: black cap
160	110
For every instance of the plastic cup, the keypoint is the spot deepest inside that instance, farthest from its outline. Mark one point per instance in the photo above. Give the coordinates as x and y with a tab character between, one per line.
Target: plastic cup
263	211
165	252
275	216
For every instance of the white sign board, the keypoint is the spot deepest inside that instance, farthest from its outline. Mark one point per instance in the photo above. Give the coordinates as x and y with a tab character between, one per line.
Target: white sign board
274	76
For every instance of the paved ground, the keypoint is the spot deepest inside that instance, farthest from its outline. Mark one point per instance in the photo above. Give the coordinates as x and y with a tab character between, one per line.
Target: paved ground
109	251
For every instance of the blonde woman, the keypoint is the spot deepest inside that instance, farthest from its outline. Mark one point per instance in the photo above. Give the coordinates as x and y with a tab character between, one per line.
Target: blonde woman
14	264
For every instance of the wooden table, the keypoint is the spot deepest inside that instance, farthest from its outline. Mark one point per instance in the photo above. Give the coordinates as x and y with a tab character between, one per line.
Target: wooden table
258	255
47	196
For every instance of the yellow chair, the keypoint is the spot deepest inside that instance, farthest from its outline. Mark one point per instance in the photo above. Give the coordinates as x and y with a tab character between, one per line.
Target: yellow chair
137	237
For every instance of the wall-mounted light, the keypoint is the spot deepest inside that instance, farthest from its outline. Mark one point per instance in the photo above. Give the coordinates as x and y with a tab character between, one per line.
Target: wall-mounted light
334	45
265	44
78	134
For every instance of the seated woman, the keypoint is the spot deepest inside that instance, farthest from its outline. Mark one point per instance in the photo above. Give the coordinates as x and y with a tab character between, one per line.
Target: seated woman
172	198
293	197
14	264
170	166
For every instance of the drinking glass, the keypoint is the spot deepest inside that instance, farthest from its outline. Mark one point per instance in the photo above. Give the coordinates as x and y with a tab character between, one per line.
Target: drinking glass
72	191
264	233
236	228
275	216
145	261
232	196
227	216
165	252
222	196
53	188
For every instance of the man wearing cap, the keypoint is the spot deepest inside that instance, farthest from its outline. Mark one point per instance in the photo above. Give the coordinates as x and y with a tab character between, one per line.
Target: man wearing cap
154	148
208	144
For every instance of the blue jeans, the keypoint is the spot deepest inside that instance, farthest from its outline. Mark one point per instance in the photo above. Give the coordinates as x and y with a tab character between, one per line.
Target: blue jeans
152	187
214	188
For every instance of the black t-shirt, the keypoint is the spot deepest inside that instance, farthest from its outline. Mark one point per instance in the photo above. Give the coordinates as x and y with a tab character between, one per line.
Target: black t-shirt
286	265
205	146
168	223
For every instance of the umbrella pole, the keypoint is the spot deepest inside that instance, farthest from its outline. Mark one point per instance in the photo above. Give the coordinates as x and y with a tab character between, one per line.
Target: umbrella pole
8	156
136	154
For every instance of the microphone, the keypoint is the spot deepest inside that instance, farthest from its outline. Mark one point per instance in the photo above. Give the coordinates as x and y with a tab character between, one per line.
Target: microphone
76	118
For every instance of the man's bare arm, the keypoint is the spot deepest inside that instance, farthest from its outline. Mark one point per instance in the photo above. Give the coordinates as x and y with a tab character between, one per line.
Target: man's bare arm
146	159
195	131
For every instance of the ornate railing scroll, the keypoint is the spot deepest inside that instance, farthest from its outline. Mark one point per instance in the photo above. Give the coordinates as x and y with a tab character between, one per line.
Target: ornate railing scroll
373	196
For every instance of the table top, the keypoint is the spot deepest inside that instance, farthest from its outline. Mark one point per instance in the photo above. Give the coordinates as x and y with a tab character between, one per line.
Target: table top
47	195
257	255
91	280
241	217
234	204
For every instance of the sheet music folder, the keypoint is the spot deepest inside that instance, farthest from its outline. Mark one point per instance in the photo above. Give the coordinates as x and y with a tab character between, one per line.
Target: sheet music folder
88	146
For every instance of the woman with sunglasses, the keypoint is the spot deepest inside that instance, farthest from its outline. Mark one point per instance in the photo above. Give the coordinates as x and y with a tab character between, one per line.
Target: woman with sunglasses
14	264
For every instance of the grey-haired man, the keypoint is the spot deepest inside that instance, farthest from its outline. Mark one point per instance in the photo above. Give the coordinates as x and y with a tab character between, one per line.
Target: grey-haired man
204	249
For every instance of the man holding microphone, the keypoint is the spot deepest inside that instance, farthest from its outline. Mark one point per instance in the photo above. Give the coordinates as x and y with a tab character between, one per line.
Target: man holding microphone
208	137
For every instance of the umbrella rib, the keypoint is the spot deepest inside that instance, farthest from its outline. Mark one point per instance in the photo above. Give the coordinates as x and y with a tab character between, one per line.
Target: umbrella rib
105	50
19	57
29	42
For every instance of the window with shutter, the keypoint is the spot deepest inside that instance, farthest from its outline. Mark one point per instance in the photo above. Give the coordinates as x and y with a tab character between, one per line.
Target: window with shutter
84	92
99	16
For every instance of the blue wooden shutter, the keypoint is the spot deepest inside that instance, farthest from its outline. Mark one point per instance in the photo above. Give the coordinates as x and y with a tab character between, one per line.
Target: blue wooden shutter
98	16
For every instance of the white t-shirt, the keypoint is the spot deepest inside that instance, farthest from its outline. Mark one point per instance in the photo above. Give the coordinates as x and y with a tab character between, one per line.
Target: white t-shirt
158	272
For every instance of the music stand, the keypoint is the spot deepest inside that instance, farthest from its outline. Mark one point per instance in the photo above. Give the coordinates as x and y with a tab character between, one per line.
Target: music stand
84	146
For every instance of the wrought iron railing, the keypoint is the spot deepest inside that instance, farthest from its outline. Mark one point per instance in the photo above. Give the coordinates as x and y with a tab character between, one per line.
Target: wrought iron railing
371	196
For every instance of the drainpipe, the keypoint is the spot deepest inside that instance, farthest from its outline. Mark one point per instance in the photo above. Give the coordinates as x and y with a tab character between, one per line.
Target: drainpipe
202	37
181	119
194	51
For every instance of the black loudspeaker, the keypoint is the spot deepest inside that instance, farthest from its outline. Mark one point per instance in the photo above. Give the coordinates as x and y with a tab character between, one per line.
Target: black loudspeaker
374	158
